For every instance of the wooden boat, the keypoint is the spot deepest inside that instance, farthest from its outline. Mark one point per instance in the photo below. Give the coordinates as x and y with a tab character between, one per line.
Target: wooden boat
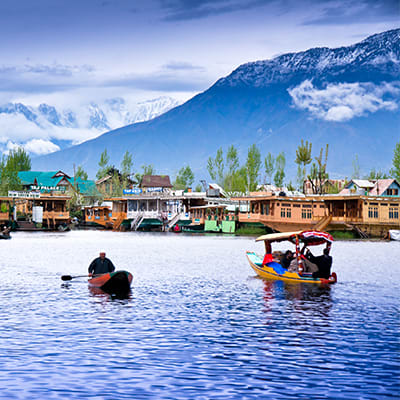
118	282
269	267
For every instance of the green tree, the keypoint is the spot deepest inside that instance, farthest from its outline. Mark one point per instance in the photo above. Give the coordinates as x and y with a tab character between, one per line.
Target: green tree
198	188
280	164
103	165
147	169
81	173
253	164
376	174
215	167
356	168
219	166
318	174
269	164
126	165
184	179
303	158
126	169
232	163
395	171
211	168
16	161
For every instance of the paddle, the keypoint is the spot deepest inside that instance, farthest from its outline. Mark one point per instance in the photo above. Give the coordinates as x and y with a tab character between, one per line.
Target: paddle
69	277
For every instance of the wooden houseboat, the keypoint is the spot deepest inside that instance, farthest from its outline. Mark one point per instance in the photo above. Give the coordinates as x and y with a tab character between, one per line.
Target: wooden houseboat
37	211
369	216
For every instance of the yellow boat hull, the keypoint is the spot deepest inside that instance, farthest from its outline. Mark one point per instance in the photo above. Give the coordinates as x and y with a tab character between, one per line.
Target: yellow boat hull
266	272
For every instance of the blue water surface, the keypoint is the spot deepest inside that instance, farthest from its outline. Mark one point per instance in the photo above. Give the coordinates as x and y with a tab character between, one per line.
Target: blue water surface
198	323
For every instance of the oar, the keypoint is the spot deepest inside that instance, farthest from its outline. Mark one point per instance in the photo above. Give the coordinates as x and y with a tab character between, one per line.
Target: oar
69	277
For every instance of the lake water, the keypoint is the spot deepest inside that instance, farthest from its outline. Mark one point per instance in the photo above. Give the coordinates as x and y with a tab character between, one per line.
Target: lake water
198	323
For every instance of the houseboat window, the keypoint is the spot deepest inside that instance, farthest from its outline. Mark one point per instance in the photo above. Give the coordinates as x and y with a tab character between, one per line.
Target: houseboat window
321	206
393	213
153	205
306	213
296	205
266	208
253	205
373	212
286	212
132	205
392	192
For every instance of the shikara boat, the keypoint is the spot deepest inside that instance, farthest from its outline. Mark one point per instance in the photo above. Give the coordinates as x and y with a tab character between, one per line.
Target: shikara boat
118	282
269	266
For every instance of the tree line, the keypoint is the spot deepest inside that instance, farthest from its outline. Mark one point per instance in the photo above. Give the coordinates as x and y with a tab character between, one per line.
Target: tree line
226	170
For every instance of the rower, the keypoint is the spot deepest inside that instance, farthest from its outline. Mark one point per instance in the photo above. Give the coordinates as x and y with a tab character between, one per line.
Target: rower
101	265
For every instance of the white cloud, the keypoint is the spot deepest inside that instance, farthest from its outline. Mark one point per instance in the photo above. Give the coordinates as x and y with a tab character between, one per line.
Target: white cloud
40	146
344	101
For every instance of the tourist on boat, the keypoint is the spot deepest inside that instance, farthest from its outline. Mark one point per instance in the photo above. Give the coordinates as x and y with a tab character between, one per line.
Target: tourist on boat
6	231
287	259
324	264
101	265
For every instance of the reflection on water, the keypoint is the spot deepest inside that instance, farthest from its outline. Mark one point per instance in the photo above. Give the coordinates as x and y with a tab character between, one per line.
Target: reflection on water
197	323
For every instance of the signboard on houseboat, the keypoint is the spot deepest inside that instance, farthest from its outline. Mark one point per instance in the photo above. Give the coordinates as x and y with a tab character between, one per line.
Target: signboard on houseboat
133	191
48	188
154	189
24	195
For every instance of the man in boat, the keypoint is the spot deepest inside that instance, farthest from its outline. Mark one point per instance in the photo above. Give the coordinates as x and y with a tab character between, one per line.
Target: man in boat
324	264
287	259
101	265
6	230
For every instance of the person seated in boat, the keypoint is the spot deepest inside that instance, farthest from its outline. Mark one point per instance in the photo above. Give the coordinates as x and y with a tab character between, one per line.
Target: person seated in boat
6	231
323	262
287	259
101	265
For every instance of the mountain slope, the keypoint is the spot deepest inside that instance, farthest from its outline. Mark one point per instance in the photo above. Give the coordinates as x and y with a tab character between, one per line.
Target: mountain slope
347	97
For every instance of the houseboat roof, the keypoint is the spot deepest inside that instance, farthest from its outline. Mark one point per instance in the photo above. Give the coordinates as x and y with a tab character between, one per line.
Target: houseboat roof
155	181
381	186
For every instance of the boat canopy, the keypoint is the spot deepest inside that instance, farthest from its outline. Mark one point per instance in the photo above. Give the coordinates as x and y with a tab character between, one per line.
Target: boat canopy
309	238
277	237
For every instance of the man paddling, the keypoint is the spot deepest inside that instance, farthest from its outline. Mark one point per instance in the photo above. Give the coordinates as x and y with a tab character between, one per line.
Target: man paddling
101	265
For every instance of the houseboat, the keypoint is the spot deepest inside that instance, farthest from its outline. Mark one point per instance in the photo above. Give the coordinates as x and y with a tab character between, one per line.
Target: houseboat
369	216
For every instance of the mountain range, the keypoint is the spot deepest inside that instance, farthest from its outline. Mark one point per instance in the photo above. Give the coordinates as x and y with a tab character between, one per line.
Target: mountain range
346	97
64	127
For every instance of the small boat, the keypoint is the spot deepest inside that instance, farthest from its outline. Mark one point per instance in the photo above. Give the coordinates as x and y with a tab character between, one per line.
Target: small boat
394	234
5	236
269	267
118	282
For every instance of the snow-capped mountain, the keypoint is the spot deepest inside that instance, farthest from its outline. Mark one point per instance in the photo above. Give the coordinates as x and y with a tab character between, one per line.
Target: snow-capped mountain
347	97
64	127
379	52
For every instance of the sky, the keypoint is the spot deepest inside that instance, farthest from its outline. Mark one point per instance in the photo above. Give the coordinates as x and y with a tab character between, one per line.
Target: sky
70	53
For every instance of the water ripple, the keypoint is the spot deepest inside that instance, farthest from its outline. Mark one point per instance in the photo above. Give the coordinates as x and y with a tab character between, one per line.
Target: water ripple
197	325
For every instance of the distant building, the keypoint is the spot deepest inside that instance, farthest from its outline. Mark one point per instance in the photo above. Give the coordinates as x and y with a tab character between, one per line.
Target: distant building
386	187
54	182
328	186
380	187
